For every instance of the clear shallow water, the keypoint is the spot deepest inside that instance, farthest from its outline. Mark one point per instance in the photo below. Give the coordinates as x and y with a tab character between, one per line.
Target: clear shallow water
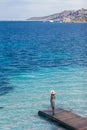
34	59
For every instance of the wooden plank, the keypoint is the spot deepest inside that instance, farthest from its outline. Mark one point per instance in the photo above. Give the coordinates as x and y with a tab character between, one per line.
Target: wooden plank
66	119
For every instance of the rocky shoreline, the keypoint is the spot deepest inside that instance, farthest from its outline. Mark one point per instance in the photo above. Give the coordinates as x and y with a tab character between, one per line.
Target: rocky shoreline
77	16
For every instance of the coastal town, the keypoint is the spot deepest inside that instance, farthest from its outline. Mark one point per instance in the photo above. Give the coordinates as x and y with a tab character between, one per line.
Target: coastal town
65	16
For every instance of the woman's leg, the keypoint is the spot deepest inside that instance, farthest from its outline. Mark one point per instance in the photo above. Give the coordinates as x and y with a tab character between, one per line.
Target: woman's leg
53	110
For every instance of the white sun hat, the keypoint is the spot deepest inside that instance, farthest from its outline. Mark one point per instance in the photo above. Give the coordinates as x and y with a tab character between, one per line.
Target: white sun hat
52	92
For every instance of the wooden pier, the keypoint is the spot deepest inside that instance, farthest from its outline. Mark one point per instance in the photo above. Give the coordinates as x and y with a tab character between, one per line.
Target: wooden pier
66	119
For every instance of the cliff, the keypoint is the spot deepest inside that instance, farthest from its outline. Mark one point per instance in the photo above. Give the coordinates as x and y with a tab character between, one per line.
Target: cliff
65	16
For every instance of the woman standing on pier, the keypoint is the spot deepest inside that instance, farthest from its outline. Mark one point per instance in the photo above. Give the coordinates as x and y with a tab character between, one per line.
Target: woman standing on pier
52	100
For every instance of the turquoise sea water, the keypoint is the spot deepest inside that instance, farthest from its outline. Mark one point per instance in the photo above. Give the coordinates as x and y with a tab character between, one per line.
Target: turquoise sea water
35	58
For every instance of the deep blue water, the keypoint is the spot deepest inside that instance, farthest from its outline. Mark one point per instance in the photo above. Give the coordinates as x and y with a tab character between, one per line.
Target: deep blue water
36	57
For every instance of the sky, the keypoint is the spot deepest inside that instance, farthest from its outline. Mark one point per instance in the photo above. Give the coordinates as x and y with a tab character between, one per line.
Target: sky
23	9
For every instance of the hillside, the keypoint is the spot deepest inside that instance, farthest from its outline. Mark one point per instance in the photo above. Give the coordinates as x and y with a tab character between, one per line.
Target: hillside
65	16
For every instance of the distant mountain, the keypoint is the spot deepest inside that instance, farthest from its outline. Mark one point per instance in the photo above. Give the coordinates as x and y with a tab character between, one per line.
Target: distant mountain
65	16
